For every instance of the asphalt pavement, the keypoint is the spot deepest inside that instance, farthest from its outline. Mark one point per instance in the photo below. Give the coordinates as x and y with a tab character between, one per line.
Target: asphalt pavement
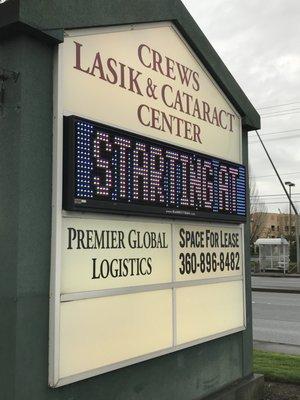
276	319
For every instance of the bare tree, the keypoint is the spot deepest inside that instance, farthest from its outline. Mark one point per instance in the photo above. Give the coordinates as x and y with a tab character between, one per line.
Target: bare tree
283	223
258	212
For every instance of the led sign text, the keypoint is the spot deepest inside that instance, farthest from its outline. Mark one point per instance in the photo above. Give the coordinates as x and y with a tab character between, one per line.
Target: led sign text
122	168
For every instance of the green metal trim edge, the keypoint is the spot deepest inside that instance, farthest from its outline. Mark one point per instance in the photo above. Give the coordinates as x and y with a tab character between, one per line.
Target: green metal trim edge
51	36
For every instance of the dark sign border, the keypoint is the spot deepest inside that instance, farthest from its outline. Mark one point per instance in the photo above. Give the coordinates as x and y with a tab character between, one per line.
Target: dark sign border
115	207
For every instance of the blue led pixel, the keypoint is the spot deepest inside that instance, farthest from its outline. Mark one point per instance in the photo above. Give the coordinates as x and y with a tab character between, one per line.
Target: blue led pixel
119	168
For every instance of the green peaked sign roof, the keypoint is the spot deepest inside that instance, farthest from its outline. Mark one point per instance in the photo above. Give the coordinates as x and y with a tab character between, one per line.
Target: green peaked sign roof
48	19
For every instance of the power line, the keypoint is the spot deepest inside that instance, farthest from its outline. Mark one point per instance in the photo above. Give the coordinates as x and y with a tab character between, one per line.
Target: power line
278	202
280	115
254	140
271	176
274	195
278	105
281	111
278	132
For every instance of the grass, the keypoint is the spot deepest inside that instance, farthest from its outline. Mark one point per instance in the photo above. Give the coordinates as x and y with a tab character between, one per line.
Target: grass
277	367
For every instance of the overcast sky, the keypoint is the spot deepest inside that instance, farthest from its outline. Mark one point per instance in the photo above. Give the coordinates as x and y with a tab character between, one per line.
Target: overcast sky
260	44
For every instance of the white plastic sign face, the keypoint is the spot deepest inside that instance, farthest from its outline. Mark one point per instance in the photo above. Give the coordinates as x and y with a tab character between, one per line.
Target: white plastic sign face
148	81
102	332
133	289
207	251
105	254
202	311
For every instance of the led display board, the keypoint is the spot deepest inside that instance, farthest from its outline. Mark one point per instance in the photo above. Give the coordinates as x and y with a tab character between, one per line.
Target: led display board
115	171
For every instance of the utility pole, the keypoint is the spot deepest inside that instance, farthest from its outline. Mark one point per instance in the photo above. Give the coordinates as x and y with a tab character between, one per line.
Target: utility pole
289	198
290	185
297	223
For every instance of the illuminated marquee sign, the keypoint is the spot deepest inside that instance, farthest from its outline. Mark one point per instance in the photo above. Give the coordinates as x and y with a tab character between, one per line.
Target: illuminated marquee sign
165	155
114	171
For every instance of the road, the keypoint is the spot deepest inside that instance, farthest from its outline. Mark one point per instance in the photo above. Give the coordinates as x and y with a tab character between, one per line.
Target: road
276	321
270	282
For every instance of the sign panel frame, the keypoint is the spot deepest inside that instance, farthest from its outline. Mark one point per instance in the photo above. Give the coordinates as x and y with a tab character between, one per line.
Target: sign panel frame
56	245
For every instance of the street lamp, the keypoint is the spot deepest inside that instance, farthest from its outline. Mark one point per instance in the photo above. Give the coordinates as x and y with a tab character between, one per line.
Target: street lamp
290	185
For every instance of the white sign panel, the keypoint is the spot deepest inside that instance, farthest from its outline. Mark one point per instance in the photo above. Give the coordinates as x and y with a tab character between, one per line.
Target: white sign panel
206	310
148	81
102	254
132	290
207	251
104	331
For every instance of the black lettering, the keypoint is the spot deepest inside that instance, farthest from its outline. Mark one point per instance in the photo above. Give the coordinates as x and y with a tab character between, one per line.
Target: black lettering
80	238
104	275
94	269
182	241
71	237
149	261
